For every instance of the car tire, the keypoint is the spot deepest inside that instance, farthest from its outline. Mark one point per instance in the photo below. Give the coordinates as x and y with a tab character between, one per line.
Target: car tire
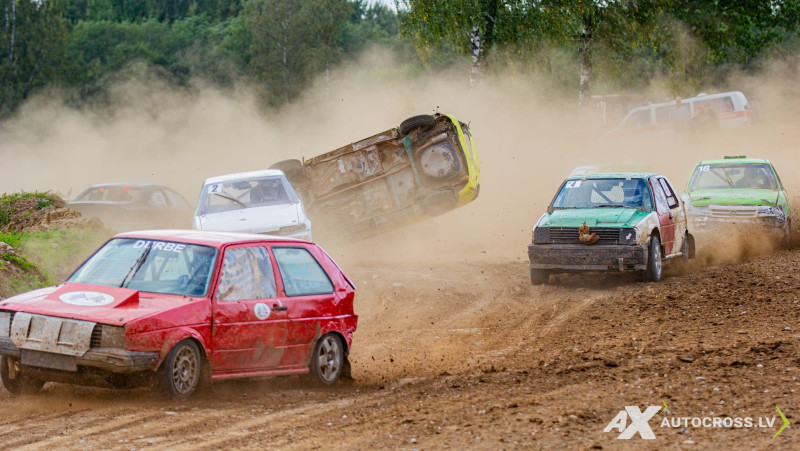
655	264
786	241
20	384
327	361
180	373
293	169
539	276
423	122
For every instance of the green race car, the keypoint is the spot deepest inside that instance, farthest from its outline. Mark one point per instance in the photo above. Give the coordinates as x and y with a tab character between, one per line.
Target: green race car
610	222
741	194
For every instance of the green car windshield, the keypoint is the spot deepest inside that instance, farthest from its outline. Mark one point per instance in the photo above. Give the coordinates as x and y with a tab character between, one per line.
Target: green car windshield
736	176
605	192
150	265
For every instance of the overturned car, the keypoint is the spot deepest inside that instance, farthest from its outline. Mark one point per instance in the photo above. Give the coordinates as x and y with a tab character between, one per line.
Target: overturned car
425	167
610	222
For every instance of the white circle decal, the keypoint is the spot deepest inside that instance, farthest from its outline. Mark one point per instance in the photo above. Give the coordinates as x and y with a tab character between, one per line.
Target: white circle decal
86	298
261	311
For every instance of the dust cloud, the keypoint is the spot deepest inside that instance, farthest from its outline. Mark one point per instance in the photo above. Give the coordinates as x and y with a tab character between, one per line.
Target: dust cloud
527	141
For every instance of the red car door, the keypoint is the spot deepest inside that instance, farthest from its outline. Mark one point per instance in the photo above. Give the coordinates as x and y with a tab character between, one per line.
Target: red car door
665	216
308	292
250	323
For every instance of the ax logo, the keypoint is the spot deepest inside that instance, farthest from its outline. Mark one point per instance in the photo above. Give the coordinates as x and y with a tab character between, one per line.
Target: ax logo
639	422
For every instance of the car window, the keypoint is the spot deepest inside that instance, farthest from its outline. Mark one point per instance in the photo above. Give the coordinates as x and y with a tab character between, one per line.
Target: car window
109	194
662	206
605	192
300	272
638	119
664	114
246	274
175	199
737	176
720	105
152	266
157	199
249	193
672	199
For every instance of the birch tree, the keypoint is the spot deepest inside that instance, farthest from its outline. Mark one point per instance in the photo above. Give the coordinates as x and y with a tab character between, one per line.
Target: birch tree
32	48
469	26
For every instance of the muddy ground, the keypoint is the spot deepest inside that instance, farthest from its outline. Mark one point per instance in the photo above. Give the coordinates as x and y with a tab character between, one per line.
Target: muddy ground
469	354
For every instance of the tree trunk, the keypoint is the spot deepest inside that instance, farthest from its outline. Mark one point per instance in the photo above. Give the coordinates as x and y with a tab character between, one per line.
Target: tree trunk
585	53
480	43
476	53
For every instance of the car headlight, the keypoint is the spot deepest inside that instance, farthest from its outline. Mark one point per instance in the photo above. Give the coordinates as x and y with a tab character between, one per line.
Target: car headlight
627	236
105	336
541	235
770	211
288	230
5	324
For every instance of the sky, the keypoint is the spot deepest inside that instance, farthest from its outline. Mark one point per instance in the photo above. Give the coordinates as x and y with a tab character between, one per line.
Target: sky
389	3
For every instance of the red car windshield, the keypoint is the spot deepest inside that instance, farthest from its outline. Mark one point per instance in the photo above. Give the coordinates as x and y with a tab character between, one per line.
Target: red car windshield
151	266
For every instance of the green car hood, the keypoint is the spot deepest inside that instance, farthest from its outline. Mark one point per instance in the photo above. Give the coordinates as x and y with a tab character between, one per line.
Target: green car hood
599	217
706	197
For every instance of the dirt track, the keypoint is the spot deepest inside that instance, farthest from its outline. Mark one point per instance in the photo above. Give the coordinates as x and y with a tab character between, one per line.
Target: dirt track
455	356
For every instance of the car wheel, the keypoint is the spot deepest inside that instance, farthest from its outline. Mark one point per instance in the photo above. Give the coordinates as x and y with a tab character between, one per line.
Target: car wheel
423	122
654	262
786	241
328	360
20	383
539	276
181	370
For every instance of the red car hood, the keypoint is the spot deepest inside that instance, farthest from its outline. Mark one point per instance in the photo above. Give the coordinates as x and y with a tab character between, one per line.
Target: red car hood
107	305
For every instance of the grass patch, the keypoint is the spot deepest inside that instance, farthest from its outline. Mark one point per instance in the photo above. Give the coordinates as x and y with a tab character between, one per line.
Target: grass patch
13	239
43	200
57	252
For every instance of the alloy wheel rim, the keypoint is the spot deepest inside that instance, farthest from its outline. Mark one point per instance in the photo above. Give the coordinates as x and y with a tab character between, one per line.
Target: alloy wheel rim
184	370
329	359
657	260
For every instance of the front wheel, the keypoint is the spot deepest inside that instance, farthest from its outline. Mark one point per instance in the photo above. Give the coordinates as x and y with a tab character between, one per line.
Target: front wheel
180	372
423	122
654	262
328	360
14	381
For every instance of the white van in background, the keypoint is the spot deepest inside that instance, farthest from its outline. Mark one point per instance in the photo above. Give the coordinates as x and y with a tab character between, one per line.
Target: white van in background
729	110
252	202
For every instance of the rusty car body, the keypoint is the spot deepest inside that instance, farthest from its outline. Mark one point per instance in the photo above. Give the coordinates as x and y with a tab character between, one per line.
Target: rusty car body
426	166
610	222
180	308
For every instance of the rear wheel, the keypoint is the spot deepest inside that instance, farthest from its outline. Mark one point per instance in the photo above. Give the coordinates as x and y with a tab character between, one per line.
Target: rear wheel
423	122
328	360
15	381
181	370
654	263
539	276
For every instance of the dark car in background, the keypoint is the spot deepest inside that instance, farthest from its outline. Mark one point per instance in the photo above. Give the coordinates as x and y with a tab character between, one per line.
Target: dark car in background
131	206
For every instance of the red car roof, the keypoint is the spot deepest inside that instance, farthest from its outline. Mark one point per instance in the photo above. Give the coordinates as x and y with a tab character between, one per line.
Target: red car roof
215	239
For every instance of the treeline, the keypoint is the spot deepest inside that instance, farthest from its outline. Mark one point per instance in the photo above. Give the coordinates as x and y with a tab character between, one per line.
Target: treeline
81	47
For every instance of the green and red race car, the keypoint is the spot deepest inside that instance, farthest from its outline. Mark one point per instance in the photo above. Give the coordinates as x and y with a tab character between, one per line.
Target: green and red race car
738	194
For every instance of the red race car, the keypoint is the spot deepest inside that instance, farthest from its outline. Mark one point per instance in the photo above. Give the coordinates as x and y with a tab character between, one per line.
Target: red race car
183	308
